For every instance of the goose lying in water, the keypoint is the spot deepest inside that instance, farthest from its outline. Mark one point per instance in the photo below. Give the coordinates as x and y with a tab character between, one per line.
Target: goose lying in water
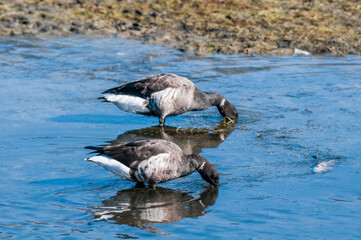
165	95
152	161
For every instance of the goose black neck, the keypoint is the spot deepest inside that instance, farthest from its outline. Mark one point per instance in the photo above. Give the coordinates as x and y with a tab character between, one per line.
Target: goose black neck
203	100
196	161
214	99
190	164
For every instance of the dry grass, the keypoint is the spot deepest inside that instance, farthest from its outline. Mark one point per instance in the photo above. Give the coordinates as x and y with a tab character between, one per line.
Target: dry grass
203	26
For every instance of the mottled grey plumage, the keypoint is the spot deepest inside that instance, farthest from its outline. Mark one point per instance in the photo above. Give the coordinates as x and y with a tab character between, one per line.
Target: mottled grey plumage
152	161
165	95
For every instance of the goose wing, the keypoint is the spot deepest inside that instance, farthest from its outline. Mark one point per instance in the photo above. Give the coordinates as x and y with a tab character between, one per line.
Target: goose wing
147	86
131	154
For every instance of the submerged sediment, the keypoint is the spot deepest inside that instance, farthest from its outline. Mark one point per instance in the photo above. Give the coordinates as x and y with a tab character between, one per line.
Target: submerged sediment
200	26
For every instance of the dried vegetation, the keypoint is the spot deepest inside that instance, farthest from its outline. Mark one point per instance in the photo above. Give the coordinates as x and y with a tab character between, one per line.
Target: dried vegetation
200	26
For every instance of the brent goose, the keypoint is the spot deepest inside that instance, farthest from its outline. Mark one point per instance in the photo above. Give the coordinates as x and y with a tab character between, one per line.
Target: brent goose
165	95
152	161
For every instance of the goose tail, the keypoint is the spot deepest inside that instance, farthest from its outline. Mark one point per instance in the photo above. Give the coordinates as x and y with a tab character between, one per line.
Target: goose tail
103	99
96	149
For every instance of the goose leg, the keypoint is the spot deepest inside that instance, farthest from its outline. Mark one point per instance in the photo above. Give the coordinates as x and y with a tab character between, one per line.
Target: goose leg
161	121
139	185
151	183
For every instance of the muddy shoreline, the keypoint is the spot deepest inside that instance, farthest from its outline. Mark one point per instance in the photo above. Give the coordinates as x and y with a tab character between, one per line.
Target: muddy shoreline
201	27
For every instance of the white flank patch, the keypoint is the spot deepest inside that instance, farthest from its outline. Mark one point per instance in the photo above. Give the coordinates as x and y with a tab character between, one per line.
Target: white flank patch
166	96
323	166
128	103
111	165
154	164
157	214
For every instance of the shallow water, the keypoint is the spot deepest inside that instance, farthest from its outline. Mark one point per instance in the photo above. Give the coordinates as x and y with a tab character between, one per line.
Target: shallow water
290	167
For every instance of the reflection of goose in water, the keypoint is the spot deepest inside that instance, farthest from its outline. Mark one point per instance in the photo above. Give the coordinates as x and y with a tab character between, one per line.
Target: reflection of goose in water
191	141
139	207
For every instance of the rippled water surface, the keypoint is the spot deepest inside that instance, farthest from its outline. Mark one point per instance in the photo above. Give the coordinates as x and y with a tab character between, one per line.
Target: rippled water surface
290	167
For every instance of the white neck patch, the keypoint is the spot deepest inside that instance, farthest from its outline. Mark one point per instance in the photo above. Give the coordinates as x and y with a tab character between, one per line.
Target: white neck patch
222	102
201	167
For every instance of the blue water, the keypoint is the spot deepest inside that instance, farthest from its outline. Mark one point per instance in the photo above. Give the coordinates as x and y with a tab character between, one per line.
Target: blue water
290	168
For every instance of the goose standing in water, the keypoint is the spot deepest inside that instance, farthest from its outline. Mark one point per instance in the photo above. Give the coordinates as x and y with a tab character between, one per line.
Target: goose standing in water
165	95
152	161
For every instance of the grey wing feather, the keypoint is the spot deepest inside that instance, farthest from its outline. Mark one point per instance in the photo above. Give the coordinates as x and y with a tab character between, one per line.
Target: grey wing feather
137	151
151	84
